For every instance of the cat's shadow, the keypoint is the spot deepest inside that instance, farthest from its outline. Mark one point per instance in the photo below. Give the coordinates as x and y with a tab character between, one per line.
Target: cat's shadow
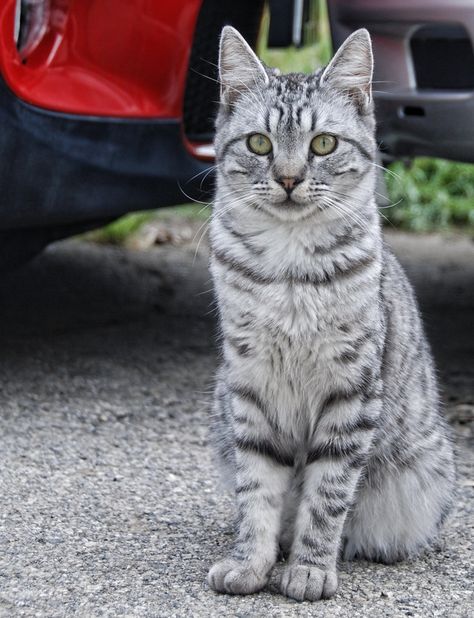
79	286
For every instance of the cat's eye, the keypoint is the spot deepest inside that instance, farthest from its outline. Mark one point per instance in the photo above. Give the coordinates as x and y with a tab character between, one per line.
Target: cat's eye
259	144
323	144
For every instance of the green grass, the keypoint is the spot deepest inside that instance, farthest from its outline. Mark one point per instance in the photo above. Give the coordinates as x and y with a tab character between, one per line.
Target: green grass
117	232
305	60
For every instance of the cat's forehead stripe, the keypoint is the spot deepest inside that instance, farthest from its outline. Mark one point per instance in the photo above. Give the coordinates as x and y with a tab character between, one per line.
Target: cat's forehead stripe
274	120
307	119
290	117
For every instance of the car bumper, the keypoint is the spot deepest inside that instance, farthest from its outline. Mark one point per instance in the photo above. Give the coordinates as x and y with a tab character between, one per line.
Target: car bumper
58	169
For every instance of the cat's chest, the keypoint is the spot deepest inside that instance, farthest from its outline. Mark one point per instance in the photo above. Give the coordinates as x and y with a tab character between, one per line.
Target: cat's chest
297	328
288	309
288	331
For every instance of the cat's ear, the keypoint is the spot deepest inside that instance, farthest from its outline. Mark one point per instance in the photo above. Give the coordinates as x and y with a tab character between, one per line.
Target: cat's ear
239	67
351	69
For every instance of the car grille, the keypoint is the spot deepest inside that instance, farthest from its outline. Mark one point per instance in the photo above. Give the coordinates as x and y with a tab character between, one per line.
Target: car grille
202	90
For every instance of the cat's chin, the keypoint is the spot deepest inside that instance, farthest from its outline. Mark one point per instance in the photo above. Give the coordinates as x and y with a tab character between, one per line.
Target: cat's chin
289	210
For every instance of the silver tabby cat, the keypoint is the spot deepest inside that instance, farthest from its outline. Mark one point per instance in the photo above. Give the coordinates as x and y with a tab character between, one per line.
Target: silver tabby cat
326	410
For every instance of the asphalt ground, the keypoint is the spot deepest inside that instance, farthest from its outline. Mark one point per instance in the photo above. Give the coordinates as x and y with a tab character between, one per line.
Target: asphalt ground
109	501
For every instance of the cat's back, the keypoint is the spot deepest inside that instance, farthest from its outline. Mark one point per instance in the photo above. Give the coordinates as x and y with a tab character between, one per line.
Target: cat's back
405	337
413	417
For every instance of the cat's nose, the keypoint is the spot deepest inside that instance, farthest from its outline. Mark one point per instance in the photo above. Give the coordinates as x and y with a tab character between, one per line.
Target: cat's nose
289	182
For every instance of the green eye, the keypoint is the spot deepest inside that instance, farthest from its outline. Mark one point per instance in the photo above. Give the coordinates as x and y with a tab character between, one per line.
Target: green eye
259	144
323	144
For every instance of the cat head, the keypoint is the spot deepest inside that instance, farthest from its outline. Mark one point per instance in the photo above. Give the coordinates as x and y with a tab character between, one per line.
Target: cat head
296	144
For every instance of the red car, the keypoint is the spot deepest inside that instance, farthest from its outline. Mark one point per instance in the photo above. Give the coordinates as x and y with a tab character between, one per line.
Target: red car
105	107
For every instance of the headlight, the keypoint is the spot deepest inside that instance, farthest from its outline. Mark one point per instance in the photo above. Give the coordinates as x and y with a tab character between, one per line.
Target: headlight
31	24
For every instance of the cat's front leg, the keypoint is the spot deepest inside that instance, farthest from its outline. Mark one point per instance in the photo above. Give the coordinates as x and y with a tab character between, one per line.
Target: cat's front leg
335	460
263	472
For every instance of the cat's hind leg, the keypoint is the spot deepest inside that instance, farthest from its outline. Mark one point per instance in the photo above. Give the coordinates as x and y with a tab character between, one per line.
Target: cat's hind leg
398	514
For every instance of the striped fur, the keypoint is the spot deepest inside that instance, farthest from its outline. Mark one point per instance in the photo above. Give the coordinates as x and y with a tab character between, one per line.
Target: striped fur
326	413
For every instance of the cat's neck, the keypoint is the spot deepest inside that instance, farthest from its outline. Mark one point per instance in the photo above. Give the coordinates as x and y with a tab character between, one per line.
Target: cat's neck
308	247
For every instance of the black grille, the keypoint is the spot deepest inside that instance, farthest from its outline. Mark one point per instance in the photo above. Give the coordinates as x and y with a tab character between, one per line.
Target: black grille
443	57
202	91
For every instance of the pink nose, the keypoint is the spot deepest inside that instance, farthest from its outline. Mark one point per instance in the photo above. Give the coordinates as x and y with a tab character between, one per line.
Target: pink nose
288	182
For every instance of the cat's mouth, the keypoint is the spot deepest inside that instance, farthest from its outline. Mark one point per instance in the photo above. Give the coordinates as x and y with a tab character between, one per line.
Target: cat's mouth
289	203
291	210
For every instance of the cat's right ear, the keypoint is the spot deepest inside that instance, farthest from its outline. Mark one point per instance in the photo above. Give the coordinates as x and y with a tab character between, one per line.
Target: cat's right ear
351	69
239	68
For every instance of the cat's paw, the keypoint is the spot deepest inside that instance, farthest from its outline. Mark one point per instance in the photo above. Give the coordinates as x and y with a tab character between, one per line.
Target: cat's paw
235	577
307	583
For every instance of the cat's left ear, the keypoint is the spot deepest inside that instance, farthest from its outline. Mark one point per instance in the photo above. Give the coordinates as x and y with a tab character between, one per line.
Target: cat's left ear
239	68
351	69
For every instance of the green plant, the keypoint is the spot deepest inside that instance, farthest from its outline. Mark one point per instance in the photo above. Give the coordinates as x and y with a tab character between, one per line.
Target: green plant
431	194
